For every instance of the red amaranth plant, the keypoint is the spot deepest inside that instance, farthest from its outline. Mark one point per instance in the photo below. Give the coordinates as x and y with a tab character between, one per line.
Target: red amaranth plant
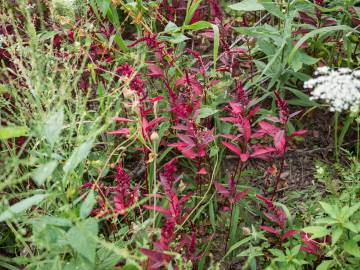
114	199
174	215
278	217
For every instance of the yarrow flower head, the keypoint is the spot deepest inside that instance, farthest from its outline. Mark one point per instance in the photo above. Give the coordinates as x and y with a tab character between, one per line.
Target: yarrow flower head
338	87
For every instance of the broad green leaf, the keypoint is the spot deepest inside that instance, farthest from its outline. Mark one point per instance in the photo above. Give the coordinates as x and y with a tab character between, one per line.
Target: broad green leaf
216	43
352	210
351	247
53	126
171	27
328	209
300	59
324	265
177	38
276	252
247	5
41	173
337	233
78	155
352	227
206	112
21	206
320	31
316	231
87	205
197	26
82	238
12	132
272	8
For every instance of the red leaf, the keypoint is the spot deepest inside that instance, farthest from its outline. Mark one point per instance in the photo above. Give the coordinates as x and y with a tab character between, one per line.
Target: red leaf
202	171
153	123
280	141
268	128
241	194
221	189
122	131
298	133
237	151
263	151
159	209
270	230
122	119
155	71
308	250
289	233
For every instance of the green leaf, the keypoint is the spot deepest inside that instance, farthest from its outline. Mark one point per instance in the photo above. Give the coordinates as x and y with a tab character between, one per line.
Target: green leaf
87	205
272	8
328	209
216	43
78	155
320	31
4	88
237	245
300	59
324	265
191	10
171	27
177	38
352	210
206	112
13	132
41	173
197	26
53	125
21	206
351	226
352	248
82	238
337	233
120	42
316	231
276	252
247	5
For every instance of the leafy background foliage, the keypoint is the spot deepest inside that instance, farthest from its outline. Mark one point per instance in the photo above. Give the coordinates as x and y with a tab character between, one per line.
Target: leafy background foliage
161	135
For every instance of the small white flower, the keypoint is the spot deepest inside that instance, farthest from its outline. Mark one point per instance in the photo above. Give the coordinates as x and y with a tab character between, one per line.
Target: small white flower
339	88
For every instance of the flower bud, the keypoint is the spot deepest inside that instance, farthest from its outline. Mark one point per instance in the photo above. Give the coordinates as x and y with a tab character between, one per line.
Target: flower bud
154	137
246	231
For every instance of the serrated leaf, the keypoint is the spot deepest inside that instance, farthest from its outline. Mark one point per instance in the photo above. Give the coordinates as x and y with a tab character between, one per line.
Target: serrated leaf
53	125
21	206
328	209
171	27
324	265
12	132
82	238
87	205
247	5
78	155
206	112
352	248
41	173
337	233
316	231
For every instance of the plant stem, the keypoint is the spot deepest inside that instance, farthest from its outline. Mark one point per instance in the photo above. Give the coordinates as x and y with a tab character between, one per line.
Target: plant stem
336	137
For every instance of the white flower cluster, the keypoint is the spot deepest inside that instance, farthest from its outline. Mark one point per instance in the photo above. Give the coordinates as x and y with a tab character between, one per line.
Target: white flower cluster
338	87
